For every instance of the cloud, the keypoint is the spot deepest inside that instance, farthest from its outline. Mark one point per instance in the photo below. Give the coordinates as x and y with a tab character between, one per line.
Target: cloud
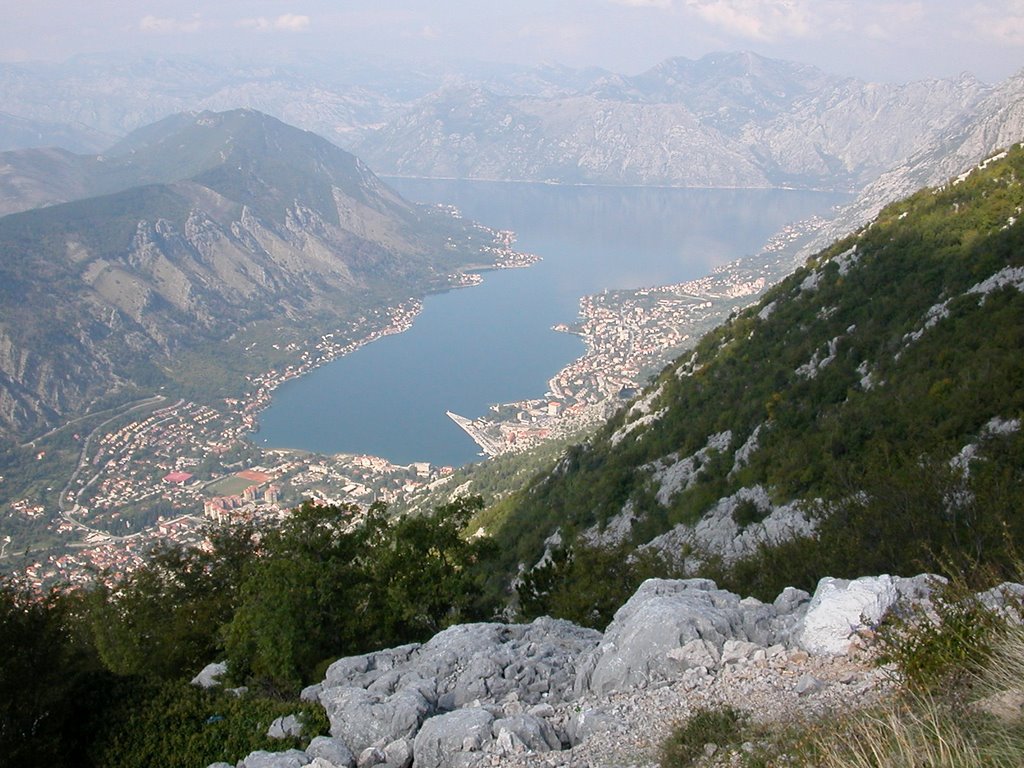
998	22
663	4
773	21
288	22
292	22
567	37
762	20
888	21
162	26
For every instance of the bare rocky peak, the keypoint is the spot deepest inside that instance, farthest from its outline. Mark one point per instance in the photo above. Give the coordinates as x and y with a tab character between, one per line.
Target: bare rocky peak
994	123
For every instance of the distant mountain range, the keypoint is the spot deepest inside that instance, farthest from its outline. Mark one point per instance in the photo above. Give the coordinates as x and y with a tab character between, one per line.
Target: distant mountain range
115	94
25	133
726	120
185	233
995	122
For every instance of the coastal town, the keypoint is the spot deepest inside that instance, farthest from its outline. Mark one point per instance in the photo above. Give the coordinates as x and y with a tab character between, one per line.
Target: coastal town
163	473
629	336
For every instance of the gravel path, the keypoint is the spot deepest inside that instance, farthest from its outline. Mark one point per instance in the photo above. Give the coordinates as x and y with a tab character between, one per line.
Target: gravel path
626	729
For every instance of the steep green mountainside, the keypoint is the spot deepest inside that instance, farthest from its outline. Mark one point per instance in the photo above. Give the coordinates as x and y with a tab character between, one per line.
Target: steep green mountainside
225	224
888	368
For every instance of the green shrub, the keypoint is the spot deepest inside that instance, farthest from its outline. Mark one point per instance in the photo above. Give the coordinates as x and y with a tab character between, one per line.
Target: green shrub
933	647
722	727
322	589
53	687
747	513
178	724
586	584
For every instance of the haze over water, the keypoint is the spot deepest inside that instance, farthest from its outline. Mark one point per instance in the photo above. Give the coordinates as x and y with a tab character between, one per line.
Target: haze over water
493	343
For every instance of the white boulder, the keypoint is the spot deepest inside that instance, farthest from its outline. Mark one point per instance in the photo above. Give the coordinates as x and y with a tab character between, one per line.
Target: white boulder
841	610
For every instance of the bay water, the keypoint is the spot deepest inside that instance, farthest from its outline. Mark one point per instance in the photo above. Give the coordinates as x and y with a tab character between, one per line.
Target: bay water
493	343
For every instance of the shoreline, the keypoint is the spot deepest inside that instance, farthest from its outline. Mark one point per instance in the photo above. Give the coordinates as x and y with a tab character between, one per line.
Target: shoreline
401	318
604	185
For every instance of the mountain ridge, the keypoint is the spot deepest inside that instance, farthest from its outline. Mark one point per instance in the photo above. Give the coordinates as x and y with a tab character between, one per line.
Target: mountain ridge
724	120
776	123
273	222
997	122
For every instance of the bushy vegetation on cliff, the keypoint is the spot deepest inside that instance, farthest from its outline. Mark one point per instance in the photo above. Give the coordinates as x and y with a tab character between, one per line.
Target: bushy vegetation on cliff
881	388
100	677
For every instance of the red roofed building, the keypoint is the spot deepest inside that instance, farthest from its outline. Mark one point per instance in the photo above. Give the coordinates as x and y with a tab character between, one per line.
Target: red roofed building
177	478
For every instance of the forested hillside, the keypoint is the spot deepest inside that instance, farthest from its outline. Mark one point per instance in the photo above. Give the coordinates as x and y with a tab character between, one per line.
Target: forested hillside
863	417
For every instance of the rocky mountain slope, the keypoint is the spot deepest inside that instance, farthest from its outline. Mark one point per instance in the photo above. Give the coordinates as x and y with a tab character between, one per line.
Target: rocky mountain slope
890	361
204	225
997	121
725	120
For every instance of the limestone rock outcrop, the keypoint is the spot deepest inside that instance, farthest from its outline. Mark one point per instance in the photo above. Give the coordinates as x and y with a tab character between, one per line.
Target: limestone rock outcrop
668	626
841	610
374	699
486	693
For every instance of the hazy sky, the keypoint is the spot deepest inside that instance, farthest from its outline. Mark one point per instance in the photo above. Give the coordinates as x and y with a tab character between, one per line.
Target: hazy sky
873	39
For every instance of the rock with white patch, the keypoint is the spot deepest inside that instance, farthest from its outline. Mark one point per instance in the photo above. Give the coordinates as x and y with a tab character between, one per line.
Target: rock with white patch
210	675
285	727
841	610
384	696
735	527
644	421
452	738
293	758
333	751
1012	277
742	456
672	474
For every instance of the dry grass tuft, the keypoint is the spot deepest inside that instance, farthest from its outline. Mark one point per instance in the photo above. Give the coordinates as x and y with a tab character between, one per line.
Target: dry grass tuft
914	733
925	730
